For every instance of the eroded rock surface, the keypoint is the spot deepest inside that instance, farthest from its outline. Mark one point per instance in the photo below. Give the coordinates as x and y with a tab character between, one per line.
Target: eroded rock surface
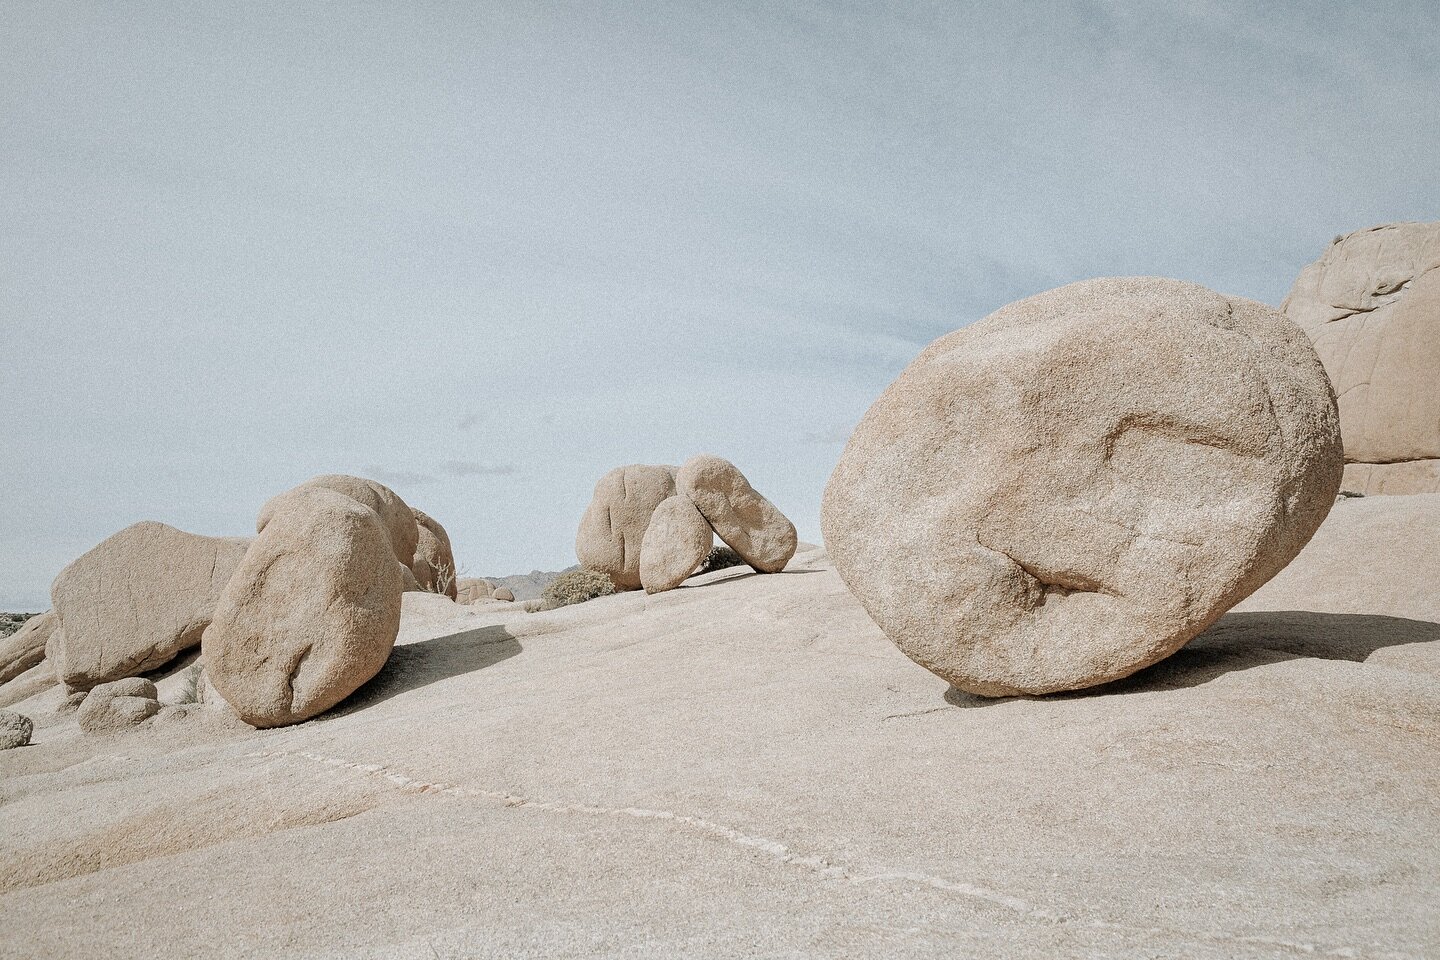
311	612
613	527
434	561
1371	304
750	524
136	600
676	543
25	647
1073	487
118	705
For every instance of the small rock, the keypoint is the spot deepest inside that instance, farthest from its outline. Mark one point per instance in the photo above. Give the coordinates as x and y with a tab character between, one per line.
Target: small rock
15	730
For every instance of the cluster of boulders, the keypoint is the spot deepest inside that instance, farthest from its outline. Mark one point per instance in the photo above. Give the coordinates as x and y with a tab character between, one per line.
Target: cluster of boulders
653	526
288	623
478	589
1371	304
1073	487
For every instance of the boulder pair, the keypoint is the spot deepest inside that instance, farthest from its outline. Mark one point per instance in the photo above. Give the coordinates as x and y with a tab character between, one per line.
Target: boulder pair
652	526
292	620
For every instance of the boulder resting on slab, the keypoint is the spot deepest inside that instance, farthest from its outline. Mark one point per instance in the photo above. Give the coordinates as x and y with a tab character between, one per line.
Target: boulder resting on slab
136	600
1073	487
311	612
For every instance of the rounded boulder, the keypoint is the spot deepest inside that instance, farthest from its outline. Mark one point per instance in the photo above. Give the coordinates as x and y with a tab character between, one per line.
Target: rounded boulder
1073	487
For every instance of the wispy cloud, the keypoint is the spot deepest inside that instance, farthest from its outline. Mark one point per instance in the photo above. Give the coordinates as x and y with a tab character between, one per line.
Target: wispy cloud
469	468
399	478
469	421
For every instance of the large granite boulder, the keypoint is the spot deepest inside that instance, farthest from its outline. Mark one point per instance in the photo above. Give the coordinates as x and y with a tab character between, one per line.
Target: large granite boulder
613	527
677	541
434	562
136	600
751	525
310	614
1371	304
1073	487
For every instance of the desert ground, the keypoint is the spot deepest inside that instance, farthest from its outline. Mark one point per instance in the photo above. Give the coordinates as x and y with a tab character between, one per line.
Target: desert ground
745	766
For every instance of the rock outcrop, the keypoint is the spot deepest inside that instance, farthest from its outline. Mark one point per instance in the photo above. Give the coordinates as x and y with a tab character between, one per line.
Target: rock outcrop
1073	487
15	730
503	593
118	705
470	589
677	541
613	528
748	523
25	647
312	611
1371	304
395	515
434	561
135	601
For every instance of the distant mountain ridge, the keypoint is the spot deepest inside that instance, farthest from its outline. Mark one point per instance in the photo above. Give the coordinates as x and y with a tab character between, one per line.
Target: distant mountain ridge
528	586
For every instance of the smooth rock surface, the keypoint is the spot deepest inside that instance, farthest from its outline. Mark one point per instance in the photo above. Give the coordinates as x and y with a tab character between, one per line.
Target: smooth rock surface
136	601
748	768
676	542
1371	303
612	529
310	614
1414	476
25	647
470	589
503	593
749	524
434	562
1070	489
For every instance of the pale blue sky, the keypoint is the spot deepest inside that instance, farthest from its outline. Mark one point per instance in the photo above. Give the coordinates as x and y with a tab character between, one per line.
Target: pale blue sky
485	252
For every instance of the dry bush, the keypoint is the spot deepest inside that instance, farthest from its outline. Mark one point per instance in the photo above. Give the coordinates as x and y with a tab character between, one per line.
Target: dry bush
577	586
718	559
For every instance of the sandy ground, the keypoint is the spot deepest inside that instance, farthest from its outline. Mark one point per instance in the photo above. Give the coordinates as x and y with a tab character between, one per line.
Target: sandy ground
747	767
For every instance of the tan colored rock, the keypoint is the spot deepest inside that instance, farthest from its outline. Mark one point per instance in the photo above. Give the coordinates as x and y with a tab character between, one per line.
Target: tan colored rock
25	647
748	523
1410	477
136	601
310	614
434	562
677	541
394	513
613	527
408	583
1073	487
118	705
470	589
15	730
503	593
1371	304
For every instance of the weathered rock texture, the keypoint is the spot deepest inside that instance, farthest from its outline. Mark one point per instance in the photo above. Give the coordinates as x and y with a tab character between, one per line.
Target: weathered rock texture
15	730
25	647
395	515
310	614
677	541
1371	304
1072	488
503	593
751	525
470	589
434	562
136	600
118	705
613	527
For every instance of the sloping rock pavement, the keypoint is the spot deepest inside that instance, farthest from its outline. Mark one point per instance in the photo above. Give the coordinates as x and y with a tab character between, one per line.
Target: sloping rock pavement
745	766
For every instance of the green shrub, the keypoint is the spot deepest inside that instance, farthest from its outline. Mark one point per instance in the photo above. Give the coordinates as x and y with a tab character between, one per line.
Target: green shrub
577	586
718	559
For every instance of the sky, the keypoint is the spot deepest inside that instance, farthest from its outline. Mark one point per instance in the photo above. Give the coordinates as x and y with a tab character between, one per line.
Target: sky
485	252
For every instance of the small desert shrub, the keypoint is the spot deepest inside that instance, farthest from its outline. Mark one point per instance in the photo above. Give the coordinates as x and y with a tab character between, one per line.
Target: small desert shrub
718	559
577	586
12	622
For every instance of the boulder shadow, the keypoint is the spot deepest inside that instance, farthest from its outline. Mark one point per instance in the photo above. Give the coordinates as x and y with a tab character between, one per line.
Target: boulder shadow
416	665
1242	641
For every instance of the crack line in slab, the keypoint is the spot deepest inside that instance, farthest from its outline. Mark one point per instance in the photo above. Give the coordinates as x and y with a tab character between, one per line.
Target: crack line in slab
816	864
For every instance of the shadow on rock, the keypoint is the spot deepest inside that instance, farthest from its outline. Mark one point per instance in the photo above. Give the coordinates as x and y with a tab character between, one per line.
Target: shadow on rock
1240	641
415	665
